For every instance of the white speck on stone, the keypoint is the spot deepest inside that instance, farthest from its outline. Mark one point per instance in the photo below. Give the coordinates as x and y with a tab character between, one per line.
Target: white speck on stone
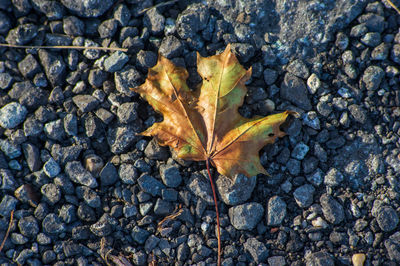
313	83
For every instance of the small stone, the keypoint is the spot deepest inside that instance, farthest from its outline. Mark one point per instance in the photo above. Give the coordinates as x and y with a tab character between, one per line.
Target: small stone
236	191
342	41
392	246
298	68
128	174
311	119
320	259
127	112
331	208
373	22
51	168
71	124
115	61
22	34
12	114
126	79
200	186
270	76
300	151
333	178
371	39
276	261
304	195
387	218
150	185
294	90
10	149
55	130
103	226
91	54
154	21
51	193
257	249
171	47
358	113
372	77
6	81
129	211
246	216
29	66
108	28
122	138
358	259
108	175
293	166
54	67
358	30
156	152
163	208
276	211
170	175
91	9
192	20
313	83
28	226
52	224
32	156
67	213
80	175
122	14
146	59
85	103
96	78
380	52
7	204
93	163
139	235
244	51
73	26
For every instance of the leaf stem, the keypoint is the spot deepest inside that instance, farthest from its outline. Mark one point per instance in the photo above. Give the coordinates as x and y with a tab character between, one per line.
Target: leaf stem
216	209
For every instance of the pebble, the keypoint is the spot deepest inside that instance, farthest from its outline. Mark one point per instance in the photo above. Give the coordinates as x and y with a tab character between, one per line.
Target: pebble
170	175
300	151
54	67
91	9
115	61
154	21
257	249
392	246
55	129
150	185
246	216
192	20
276	211
22	34
108	175
28	226
387	218
333	177
304	195
270	76
6	80
237	190
320	258
7	204
358	259
294	90
332	209
29	67
103	227
371	39
78	174
163	208
128	174
298	68
372	77
171	47
126	79
127	112
52	224
93	163
107	28
85	103
122	138
139	235
10	149
12	114
201	187
313	83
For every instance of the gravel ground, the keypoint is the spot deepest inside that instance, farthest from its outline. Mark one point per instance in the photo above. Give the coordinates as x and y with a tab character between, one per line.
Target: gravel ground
81	182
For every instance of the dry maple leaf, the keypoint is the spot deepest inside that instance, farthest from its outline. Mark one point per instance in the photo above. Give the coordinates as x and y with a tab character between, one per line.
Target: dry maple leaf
205	125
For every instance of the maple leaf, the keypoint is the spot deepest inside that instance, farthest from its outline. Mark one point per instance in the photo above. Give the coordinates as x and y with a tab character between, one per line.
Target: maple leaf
205	125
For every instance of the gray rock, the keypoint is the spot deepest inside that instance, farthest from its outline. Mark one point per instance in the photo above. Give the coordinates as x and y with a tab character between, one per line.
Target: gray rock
122	14
304	195
294	90
6	80
156	152
29	66
24	255
54	67
12	114
236	191
358	113
53	10
320	259
151	242
51	193
108	28
71	124
108	175
22	34
128	174
372	77
139	235
270	76
201	187
300	151
5	23
146	59
395	53
55	130
115	61
28	226
67	213
127	112
73	26
381	52
129	211
7	204
51	168
52	224
392	245
387	218
331	208
10	149
122	138
103	227
32	157
298	68
78	174
246	216
171	47
257	249
333	177
276	211
154	21
276	261
85	103
91	54
293	166
32	126
163	208
244	51
373	22
150	185
193	19
126	79
170	175
88	9
371	39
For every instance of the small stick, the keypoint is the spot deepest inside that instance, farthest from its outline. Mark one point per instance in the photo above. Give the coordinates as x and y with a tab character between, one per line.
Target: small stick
8	230
394	6
216	209
63	47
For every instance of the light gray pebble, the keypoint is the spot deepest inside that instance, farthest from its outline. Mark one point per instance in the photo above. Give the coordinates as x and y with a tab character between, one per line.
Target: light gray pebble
276	211
12	114
304	195
236	191
246	216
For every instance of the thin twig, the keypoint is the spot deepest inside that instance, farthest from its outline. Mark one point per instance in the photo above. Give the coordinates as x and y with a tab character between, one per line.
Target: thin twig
172	216
8	230
158	5
394	6
63	47
216	209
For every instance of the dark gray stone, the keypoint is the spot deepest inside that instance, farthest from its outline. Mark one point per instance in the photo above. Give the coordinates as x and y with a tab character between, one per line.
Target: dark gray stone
257	249
171	47
52	224
55	130
300	151
126	79
304	195
5	23
32	156
332	209
156	152
293	166
150	185
299	69
53	10
372	77
246	216
12	114
85	103
193	19
7	204
6	80
371	39
270	76
115	61
294	90
392	245
170	175
244	51
320	259
51	193
28	226
154	21
127	112
122	138
88	9
373	22
103	227
146	59
54	67
108	175
108	28
122	14
358	113
139	235
73	26
10	148
128	174
387	218
163	208
29	66
201	187
236	191
22	34
276	211
32	127
333	177
78	174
